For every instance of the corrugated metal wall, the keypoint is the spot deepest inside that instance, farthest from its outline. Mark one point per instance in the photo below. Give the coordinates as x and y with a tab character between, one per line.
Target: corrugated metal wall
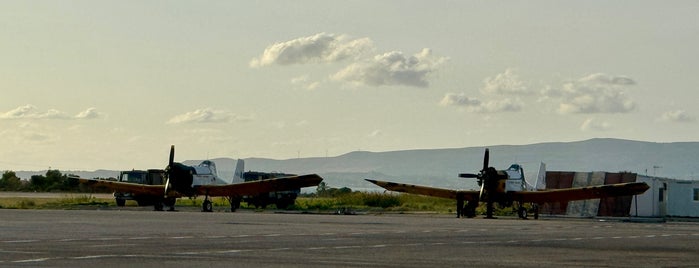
610	206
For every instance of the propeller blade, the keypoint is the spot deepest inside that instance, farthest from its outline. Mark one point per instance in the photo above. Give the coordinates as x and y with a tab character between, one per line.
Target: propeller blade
169	168
172	156
485	159
167	186
468	175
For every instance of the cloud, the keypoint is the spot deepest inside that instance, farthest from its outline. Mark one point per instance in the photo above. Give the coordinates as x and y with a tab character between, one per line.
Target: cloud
597	93
475	105
206	115
392	68
608	79
304	82
322	47
592	124
90	113
31	112
375	133
677	116
507	83
453	99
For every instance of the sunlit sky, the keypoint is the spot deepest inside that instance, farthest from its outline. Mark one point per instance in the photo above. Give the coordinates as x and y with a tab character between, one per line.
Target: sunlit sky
112	84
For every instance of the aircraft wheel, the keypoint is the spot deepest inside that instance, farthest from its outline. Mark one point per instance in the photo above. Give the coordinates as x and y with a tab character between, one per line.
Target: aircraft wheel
522	213
120	202
207	206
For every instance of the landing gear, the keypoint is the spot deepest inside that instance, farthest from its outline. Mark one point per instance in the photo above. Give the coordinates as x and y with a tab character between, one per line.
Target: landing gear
235	202
207	206
469	211
522	212
489	208
170	202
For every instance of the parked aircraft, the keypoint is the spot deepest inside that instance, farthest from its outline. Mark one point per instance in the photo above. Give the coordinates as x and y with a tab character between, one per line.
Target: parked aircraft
193	181
497	187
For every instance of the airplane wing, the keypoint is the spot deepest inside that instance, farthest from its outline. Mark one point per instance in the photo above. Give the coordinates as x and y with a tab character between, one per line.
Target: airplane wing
134	188
258	187
581	193
426	190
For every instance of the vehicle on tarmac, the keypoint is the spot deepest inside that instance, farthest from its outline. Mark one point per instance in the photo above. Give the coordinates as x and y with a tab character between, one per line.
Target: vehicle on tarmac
147	177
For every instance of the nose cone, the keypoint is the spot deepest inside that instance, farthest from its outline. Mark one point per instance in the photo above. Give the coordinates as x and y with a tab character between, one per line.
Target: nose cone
181	178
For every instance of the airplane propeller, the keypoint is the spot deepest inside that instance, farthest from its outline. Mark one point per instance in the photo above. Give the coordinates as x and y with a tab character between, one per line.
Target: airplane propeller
485	181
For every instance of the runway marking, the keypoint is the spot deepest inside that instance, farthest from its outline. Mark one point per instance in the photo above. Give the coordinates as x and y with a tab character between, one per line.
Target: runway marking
21	241
32	260
18	252
112	245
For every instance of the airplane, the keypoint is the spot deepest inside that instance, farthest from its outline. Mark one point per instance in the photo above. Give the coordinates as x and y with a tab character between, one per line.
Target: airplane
496	187
192	181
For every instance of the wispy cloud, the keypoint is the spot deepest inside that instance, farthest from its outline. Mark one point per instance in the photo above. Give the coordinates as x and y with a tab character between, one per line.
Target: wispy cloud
392	68
322	47
592	124
305	82
32	112
207	115
677	116
476	105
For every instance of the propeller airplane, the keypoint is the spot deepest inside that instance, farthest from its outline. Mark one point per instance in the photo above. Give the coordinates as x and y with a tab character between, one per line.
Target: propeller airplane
192	181
494	189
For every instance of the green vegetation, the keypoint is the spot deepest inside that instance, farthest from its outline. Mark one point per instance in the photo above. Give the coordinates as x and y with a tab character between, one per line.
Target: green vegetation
66	202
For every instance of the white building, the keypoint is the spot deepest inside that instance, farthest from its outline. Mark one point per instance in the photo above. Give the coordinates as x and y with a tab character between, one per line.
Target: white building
666	198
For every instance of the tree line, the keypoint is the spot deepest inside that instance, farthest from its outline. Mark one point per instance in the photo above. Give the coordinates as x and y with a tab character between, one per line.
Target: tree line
52	181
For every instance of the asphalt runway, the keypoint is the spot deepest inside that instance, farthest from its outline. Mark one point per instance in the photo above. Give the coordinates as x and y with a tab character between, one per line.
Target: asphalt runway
139	238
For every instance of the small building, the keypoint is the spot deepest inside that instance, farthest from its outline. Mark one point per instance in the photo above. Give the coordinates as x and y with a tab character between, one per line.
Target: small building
665	198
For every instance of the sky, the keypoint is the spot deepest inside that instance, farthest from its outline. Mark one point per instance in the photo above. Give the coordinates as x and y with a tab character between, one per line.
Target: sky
89	85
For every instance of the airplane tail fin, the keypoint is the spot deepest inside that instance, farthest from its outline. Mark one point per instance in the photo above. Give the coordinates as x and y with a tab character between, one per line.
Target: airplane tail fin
541	178
239	169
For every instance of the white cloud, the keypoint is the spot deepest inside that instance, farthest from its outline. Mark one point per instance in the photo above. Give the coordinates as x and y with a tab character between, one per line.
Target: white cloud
475	105
31	112
677	116
608	79
592	124
322	47
392	68
453	99
375	133
207	115
90	113
507	83
597	93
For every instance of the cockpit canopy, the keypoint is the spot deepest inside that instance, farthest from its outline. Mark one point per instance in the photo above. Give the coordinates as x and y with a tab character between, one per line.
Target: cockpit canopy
205	168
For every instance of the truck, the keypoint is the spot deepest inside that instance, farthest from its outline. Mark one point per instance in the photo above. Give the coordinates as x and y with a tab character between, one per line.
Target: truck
149	177
282	199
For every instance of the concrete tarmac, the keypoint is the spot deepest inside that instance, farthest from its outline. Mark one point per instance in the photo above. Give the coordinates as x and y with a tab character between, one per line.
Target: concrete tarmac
138	238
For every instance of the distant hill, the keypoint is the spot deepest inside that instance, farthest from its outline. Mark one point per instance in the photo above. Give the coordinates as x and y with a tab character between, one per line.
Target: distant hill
439	167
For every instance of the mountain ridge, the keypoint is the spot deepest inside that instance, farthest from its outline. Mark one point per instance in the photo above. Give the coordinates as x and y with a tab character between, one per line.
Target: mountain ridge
439	167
